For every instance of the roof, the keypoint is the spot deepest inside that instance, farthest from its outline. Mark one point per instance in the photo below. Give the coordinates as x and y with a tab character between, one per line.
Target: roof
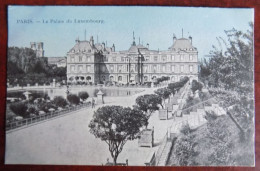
134	48
182	44
56	59
82	46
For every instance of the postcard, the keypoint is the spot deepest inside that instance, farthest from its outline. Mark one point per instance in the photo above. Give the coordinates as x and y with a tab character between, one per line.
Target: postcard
130	86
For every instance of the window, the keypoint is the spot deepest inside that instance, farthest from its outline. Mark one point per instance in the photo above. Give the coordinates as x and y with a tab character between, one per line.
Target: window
181	57
173	68
173	57
147	58
122	59
120	78
145	68
103	68
154	68
72	59
191	57
111	68
80	58
191	68
163	68
88	58
80	68
88	68
182	68
114	59
145	78
155	58
119	68
164	58
132	68
72	68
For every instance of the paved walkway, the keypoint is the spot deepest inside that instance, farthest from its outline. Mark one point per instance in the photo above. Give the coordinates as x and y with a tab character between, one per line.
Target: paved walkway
67	141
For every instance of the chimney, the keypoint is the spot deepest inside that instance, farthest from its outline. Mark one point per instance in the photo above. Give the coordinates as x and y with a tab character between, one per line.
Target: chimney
174	39
147	45
113	48
91	41
190	39
77	40
103	45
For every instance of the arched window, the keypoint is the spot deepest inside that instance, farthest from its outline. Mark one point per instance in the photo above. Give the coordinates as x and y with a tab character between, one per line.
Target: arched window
120	78
145	78
111	78
88	78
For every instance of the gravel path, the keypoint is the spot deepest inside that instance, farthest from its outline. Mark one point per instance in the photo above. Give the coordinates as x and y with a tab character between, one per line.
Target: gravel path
67	141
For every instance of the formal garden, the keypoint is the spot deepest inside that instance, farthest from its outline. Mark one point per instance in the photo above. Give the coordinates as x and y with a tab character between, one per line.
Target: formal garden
27	104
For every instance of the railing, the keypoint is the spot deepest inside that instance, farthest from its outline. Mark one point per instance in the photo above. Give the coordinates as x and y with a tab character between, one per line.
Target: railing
186	109
33	120
159	152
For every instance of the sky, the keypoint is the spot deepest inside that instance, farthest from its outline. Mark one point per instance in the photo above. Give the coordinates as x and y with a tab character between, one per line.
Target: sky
153	25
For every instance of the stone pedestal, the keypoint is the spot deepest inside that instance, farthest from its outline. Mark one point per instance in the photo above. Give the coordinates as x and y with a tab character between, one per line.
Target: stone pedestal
152	85
100	99
26	94
54	83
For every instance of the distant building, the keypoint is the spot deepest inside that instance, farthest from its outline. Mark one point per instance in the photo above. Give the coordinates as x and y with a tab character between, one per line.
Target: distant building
96	63
57	61
38	48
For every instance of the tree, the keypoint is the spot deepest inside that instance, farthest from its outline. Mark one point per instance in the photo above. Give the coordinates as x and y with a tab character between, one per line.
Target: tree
163	93
231	67
177	85
116	125
83	95
60	101
195	85
148	103
73	99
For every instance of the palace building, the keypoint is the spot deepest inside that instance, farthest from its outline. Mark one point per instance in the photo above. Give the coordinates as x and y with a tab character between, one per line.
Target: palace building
96	63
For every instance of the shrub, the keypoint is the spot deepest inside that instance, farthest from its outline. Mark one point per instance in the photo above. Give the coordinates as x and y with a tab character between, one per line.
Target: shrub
185	129
46	106
60	101
184	151
83	95
195	85
18	94
73	99
35	95
19	109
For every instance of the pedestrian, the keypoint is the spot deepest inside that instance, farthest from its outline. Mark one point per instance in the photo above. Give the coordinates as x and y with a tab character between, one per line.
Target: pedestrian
93	103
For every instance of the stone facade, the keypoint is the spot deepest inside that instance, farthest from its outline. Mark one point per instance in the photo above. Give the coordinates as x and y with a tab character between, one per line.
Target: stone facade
38	48
96	63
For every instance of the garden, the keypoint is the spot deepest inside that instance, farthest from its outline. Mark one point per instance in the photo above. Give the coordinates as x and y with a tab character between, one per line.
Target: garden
39	104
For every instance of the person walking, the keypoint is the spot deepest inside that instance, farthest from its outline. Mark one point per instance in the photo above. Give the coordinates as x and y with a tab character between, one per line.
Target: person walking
93	103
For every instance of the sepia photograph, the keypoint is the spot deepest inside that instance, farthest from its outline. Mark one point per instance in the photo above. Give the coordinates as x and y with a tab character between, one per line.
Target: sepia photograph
130	86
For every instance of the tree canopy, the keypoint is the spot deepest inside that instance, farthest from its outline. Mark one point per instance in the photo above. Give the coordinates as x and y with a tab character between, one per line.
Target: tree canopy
116	125
231	64
148	103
